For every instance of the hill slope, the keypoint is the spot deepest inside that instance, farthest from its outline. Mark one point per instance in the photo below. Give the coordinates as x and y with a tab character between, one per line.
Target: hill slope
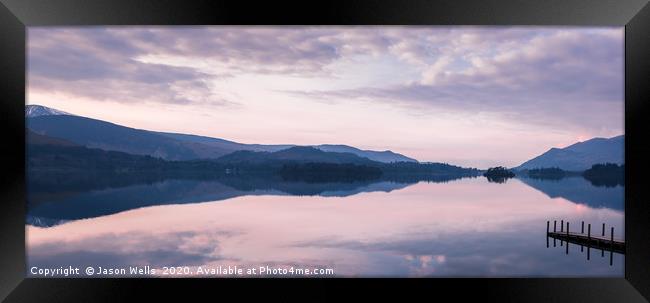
581	156
225	144
112	137
32	138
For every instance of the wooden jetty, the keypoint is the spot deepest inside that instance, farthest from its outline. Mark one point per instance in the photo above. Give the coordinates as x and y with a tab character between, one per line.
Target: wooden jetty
588	239
593	242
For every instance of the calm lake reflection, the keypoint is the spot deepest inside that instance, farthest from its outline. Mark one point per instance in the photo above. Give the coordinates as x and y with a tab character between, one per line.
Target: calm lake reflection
464	227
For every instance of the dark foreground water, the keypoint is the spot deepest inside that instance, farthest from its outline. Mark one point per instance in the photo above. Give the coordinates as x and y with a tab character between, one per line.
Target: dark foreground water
466	227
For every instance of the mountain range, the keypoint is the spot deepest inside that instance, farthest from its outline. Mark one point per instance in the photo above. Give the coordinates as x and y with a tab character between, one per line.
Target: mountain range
580	156
93	133
48	124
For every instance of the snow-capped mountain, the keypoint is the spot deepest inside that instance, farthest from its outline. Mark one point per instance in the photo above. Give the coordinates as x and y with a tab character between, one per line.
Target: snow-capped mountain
39	110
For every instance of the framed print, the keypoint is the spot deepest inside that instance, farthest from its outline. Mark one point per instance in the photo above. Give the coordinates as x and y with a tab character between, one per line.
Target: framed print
208	148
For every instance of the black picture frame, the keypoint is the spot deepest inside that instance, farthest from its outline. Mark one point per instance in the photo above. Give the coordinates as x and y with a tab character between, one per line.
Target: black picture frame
16	15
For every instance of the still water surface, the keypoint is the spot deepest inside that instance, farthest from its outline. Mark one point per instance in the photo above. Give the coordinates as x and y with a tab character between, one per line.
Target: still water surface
467	227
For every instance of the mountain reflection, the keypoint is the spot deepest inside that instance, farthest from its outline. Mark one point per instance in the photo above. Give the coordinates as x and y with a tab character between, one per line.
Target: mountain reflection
55	198
579	190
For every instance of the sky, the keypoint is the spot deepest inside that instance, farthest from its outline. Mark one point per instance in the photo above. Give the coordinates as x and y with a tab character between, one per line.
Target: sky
470	96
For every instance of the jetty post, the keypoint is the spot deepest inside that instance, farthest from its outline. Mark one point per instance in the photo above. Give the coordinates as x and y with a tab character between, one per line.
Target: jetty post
554	225
611	251
588	237
602	251
567	242
582	231
548	224
561	230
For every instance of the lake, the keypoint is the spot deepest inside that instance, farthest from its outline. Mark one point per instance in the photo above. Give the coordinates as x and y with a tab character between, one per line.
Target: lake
466	227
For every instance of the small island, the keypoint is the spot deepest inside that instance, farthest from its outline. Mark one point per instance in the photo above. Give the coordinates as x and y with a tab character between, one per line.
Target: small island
498	174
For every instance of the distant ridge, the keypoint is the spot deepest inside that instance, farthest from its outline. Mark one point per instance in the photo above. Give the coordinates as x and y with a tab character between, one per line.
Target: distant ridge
580	156
302	154
380	156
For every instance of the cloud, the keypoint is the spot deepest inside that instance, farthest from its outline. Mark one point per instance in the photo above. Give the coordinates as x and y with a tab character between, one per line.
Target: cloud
561	75
555	76
176	65
96	63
